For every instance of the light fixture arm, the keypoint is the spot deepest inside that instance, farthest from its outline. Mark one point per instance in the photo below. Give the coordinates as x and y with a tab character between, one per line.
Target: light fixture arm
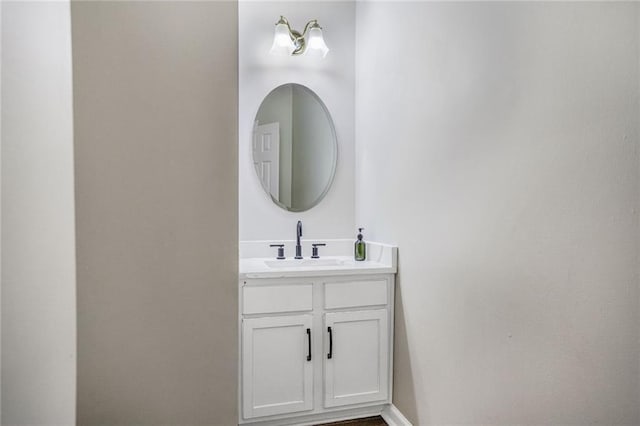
284	21
306	27
297	38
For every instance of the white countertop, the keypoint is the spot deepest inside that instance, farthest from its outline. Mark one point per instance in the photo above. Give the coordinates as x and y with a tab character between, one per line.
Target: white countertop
381	259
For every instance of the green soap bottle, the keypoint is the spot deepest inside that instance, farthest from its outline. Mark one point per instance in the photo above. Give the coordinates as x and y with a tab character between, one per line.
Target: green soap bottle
360	247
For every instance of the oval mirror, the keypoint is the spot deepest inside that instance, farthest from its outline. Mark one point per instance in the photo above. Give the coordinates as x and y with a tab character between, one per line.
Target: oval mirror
294	147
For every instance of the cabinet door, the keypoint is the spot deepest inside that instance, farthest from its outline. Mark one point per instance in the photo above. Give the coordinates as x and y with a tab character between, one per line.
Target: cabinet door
277	370
356	359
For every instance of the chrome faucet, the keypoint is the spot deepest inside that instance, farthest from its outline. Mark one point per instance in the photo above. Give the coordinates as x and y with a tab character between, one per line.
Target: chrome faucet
298	246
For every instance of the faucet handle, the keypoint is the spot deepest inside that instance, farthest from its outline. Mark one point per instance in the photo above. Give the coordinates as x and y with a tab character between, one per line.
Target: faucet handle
314	250
280	250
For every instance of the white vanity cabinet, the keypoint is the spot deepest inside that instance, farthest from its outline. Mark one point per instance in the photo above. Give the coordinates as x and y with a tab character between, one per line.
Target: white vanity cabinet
277	368
315	349
357	361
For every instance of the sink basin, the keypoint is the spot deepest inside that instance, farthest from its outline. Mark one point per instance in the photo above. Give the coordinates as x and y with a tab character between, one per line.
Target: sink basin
304	263
256	261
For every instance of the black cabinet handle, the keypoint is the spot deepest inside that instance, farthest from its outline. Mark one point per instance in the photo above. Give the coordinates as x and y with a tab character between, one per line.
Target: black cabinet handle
309	340
330	354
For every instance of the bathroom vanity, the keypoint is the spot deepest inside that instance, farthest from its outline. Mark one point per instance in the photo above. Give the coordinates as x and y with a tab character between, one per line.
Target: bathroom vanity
316	326
316	339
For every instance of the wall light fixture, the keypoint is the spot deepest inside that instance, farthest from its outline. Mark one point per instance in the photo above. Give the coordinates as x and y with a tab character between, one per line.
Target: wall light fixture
287	41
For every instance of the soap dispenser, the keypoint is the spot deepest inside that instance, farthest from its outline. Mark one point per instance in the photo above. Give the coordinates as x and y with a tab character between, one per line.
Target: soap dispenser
360	247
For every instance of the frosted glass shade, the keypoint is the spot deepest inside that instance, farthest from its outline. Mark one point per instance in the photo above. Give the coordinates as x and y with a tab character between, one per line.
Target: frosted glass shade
316	44
282	43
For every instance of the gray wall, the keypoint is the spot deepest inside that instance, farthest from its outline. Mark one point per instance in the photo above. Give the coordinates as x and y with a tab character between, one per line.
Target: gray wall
38	239
155	96
1	212
499	149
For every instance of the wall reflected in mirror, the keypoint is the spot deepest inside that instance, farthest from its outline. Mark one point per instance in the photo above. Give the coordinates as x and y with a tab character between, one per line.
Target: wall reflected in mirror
294	147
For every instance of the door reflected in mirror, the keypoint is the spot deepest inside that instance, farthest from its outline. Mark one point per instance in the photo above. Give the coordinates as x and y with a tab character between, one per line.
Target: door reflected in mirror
294	147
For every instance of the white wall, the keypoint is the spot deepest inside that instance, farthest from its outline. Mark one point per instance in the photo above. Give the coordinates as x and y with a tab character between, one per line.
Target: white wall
332	79
38	239
497	144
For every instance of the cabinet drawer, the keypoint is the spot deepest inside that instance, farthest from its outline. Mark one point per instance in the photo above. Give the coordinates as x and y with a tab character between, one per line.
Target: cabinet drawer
277	298
355	293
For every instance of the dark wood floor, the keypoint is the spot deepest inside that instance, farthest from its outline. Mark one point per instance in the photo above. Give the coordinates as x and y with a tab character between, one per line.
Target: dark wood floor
369	421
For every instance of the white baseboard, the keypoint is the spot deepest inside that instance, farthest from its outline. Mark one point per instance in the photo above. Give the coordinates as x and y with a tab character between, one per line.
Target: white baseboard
318	418
394	417
388	412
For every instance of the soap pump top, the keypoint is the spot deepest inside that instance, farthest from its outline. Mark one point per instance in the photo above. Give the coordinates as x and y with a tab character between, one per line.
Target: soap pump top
360	248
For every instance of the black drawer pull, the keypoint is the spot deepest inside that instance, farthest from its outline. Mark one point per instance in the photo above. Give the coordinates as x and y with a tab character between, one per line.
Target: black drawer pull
330	354
309	340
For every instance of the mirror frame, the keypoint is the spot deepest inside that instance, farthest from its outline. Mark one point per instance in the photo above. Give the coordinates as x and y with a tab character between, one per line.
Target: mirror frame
334	166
